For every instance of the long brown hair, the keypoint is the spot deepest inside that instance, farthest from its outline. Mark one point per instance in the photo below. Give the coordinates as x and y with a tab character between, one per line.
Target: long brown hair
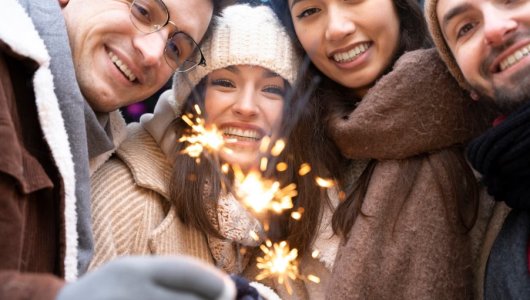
190	179
337	100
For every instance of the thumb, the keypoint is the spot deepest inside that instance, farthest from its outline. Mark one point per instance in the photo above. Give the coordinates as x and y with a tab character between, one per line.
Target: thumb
187	273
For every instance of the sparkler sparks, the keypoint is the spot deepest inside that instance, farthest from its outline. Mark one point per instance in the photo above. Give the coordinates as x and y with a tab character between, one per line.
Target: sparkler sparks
297	215
281	167
260	194
257	193
201	138
325	183
304	169
280	262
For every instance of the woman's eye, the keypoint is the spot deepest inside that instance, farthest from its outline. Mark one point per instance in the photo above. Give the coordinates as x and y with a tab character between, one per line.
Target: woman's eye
464	30
274	89
223	83
308	12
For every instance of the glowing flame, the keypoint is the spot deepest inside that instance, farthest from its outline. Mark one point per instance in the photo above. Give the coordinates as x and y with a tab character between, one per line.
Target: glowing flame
279	262
254	235
265	141
297	215
281	167
262	194
304	169
263	164
278	148
313	278
201	138
325	183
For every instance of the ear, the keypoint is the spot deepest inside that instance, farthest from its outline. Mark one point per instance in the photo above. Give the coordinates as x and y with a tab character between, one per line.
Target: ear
474	95
63	3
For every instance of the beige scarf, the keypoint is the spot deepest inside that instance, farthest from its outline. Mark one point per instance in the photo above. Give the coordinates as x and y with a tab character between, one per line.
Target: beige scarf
235	224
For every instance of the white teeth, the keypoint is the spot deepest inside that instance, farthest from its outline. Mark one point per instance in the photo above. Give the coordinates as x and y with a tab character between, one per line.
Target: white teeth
351	54
239	133
515	57
123	67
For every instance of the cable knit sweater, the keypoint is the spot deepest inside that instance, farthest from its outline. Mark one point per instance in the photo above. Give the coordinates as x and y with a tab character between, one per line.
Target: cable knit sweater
134	186
132	214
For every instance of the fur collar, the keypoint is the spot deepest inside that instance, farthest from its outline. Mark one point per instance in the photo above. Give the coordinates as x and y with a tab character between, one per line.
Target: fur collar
25	41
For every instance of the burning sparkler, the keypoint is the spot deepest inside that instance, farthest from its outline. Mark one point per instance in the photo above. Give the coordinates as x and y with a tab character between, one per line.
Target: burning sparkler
325	183
260	194
201	138
257	193
281	263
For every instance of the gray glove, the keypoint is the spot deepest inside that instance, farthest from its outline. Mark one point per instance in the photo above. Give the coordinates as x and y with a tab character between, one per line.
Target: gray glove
151	278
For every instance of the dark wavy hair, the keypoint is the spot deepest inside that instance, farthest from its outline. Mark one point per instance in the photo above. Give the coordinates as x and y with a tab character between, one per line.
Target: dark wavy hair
340	101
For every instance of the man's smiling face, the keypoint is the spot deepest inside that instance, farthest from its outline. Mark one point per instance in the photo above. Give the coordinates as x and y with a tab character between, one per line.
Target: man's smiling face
490	41
115	63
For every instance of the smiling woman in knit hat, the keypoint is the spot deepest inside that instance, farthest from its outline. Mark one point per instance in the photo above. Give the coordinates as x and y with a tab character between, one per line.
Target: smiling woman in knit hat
153	199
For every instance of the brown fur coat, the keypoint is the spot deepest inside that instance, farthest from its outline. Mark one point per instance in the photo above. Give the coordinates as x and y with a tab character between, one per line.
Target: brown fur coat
409	241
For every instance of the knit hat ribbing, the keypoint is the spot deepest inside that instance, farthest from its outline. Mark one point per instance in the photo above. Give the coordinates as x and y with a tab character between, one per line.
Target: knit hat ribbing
242	35
441	45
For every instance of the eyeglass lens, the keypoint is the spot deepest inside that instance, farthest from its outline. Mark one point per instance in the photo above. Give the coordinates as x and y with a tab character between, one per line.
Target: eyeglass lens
182	52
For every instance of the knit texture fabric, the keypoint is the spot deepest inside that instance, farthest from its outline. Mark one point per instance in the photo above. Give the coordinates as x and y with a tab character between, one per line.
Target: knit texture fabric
502	155
439	41
242	35
130	210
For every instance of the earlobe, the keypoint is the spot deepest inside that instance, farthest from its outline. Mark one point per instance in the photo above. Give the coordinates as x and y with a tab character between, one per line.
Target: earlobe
474	95
63	3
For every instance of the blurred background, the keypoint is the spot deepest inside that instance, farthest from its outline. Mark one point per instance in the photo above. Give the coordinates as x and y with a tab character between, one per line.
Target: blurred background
133	112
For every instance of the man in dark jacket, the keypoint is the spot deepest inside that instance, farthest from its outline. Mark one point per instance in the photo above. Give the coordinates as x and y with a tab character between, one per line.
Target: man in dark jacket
65	68
485	45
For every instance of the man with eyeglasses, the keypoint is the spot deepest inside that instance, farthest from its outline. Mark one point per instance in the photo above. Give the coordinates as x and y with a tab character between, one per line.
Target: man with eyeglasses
66	66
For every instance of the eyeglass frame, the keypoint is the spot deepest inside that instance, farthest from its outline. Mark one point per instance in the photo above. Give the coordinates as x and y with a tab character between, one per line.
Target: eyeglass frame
157	27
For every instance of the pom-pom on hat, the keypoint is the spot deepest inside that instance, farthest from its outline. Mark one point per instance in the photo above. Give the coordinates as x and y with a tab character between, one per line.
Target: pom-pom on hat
242	35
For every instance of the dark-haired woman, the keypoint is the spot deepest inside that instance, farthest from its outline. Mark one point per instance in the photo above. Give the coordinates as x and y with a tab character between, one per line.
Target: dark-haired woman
406	223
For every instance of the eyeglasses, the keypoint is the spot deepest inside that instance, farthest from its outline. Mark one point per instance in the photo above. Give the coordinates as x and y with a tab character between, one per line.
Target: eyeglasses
181	52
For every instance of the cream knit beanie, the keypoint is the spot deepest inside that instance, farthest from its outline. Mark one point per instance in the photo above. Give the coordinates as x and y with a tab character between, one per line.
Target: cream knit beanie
242	35
441	45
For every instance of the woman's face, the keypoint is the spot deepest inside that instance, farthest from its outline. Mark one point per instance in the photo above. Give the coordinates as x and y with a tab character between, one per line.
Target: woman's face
246	104
351	42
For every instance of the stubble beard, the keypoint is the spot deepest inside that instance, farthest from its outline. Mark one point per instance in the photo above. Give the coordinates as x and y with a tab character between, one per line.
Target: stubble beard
510	97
